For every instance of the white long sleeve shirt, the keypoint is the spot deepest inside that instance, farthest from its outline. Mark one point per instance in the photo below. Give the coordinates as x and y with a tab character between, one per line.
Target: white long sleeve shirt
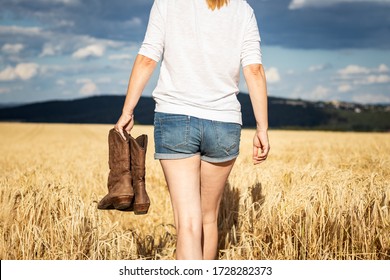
202	52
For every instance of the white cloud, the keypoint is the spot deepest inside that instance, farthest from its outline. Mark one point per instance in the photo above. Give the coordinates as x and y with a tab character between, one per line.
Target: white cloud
51	70
368	98
26	70
373	79
319	67
297	91
290	72
120	57
360	75
299	4
19	30
378	79
383	68
353	69
104	80
272	75
356	71
320	93
49	50
8	74
60	82
43	42
344	88
88	88
12	48
66	2
134	22
83	81
22	71
95	50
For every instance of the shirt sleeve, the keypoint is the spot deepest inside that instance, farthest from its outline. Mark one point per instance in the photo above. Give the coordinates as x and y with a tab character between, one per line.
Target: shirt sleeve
153	44
251	51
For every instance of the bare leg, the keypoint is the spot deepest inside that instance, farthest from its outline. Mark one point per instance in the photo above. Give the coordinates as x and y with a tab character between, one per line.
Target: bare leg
183	179
213	181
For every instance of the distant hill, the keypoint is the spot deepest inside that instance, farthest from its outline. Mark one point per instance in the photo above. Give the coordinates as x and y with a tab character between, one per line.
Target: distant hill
104	109
8	105
283	113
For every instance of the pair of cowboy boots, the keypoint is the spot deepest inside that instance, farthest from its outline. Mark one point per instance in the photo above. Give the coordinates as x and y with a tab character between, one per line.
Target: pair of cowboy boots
126	179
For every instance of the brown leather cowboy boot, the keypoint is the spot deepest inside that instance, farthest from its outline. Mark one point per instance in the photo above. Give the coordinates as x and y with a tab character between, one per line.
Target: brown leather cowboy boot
137	155
120	190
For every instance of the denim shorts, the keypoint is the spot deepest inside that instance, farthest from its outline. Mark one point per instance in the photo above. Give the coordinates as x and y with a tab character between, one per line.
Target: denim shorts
182	136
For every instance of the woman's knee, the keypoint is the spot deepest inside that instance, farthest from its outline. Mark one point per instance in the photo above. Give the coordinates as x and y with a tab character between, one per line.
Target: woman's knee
189	226
209	217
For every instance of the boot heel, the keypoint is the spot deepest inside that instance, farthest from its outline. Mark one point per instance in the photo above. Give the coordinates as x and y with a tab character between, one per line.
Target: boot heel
122	202
141	209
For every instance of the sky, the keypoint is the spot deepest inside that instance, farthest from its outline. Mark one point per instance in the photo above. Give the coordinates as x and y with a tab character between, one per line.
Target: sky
318	50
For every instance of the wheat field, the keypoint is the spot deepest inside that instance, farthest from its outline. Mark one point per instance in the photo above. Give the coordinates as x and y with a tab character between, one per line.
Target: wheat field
319	196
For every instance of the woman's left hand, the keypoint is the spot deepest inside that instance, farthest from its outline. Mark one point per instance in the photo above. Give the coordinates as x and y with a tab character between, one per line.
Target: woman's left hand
125	122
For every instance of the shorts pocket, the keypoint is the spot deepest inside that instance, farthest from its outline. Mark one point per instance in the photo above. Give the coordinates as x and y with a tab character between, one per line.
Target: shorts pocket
228	136
174	131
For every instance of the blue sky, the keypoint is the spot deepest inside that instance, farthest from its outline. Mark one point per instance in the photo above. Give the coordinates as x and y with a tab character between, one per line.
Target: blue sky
312	49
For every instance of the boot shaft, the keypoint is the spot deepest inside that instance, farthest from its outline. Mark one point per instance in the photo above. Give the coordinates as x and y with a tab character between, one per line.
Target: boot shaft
138	147
119	151
119	178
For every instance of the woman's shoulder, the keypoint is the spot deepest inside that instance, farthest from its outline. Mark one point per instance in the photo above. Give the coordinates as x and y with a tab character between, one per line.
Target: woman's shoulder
242	5
242	8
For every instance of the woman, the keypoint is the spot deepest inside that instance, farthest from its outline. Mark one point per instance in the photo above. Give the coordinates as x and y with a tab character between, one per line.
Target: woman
198	122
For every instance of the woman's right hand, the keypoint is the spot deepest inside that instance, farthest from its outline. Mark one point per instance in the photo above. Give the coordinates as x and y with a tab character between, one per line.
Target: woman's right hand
125	123
261	146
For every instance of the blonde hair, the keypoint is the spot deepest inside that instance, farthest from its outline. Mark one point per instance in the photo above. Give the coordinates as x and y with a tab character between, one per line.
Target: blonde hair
216	3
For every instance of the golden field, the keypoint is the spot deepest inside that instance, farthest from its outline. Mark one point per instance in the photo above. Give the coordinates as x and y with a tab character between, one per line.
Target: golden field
320	195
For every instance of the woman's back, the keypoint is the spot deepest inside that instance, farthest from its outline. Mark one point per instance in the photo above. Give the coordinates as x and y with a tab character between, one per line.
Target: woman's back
203	51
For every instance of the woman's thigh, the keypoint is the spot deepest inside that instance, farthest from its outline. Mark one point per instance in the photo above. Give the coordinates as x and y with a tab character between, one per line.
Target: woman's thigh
183	179
213	180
